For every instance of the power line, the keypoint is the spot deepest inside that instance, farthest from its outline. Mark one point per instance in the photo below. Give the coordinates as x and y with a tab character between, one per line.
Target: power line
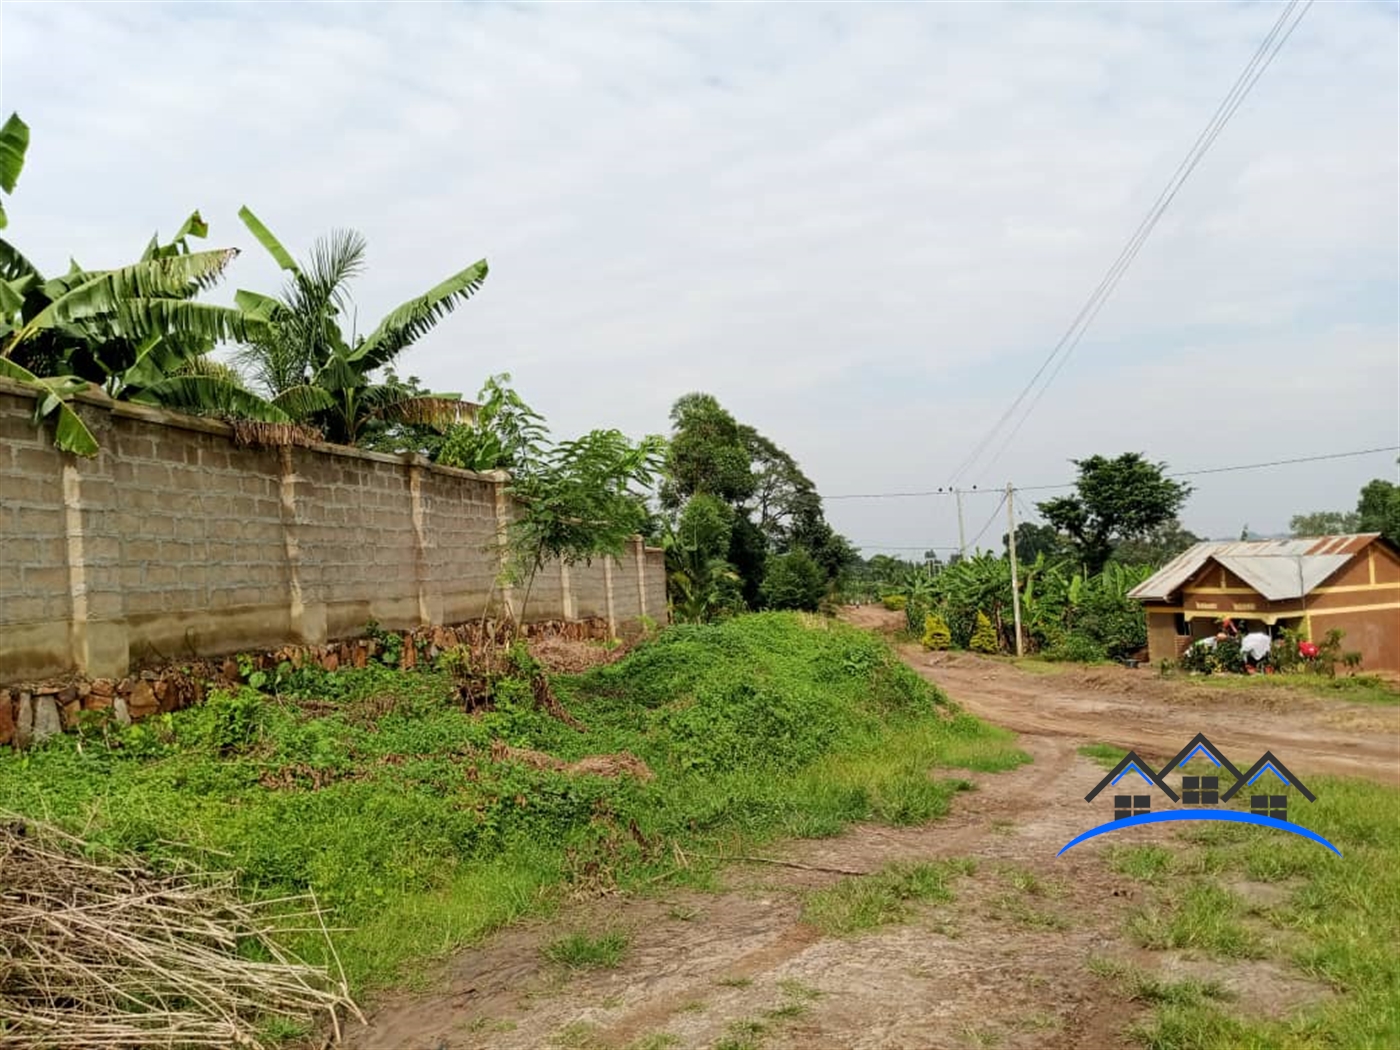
1000	503
1027	514
1244	83
1071	484
1074	343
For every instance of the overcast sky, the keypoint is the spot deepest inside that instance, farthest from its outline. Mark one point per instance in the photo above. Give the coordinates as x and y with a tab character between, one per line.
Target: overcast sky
861	226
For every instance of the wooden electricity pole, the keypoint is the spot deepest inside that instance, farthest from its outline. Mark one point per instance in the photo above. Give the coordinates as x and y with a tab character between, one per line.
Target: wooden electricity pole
1011	547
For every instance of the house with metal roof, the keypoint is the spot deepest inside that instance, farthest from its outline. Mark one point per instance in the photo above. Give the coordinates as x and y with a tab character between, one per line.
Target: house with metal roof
1350	583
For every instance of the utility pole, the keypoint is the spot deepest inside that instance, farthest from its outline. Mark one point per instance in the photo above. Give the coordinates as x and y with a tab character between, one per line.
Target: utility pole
962	542
1011	546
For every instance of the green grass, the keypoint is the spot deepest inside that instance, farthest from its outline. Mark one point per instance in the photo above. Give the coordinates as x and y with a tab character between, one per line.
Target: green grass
1106	755
579	951
1334	925
744	1034
1137	985
1359	688
795	989
578	1035
866	902
655	1041
1144	863
373	789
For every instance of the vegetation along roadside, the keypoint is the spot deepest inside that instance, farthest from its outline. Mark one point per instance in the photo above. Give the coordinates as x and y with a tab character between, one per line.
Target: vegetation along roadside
423	827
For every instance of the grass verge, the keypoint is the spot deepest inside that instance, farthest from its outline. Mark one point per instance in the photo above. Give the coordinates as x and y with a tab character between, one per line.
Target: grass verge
374	789
1330	921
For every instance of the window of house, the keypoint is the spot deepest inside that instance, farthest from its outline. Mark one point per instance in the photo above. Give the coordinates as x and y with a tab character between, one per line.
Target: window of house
1200	791
1275	806
1131	805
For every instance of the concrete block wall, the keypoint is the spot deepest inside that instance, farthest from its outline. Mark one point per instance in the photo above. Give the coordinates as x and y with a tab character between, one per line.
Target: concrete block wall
174	542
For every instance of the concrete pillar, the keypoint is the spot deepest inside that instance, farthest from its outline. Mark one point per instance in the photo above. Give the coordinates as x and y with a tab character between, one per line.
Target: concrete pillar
308	621
503	509
608	595
566	593
97	648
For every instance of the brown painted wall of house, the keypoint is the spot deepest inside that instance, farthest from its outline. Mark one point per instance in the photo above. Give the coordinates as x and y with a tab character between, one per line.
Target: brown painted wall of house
1362	599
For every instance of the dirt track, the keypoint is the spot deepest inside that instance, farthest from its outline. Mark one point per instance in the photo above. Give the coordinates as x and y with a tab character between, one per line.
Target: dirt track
1003	963
1138	709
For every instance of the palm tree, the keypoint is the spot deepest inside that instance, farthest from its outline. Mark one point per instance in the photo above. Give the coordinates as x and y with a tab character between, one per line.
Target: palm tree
308	367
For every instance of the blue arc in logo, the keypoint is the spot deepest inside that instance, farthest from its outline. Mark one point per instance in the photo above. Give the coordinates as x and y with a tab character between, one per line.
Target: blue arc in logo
1230	815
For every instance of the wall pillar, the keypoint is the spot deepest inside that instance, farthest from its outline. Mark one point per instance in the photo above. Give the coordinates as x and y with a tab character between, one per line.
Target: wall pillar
566	594
308	623
642	575
503	546
97	648
430	602
608	595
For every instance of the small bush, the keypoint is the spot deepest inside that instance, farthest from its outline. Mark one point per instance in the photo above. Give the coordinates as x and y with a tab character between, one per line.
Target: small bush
984	636
894	602
936	632
1076	648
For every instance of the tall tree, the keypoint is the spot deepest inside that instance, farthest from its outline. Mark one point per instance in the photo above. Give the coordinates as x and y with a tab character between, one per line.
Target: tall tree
707	453
1033	540
321	375
1115	499
1159	545
1324	523
1378	509
581	500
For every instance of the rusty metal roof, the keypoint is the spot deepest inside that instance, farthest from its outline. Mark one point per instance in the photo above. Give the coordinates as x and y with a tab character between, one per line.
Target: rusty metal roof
1277	569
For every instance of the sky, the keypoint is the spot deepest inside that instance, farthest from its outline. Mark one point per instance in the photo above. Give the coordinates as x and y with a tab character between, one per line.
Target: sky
861	226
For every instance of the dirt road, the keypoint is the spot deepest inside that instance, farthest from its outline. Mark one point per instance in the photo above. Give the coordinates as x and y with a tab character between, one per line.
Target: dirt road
1004	963
1156	716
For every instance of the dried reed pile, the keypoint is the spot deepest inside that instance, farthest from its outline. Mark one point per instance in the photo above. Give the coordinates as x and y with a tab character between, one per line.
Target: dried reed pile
99	952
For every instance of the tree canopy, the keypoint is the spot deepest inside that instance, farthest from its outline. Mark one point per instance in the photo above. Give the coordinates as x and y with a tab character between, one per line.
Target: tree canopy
1115	499
1324	523
774	510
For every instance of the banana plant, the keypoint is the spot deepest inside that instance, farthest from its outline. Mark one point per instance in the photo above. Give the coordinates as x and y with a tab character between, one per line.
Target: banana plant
135	331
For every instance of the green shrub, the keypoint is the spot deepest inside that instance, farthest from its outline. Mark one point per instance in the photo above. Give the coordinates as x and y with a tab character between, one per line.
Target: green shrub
936	633
894	602
984	636
1076	648
793	581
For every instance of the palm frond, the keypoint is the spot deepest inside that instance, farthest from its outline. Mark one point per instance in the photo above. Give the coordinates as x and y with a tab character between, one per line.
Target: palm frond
411	321
71	433
335	261
267	240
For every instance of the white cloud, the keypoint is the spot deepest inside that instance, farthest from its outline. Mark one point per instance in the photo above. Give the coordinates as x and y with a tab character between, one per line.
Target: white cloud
861	226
